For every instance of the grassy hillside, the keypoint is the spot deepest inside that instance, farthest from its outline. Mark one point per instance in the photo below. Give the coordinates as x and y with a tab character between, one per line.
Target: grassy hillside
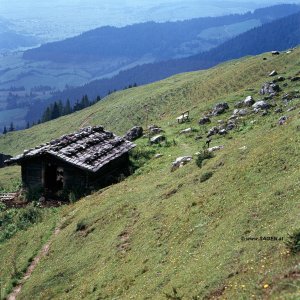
160	230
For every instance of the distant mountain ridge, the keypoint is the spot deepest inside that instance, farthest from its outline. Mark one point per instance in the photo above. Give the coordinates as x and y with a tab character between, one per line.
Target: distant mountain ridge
161	40
10	39
279	35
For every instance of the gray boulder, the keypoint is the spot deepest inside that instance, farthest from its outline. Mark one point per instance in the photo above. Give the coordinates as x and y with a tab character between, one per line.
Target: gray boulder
223	132
273	73
291	108
269	88
154	129
204	120
180	162
220	108
186	131
240	112
282	120
216	148
296	78
230	125
134	133
213	131
239	104
249	101
287	97
275	52
261	105
157	139
279	79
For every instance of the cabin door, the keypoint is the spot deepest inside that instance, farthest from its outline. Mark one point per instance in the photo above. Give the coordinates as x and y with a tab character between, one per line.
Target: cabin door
54	177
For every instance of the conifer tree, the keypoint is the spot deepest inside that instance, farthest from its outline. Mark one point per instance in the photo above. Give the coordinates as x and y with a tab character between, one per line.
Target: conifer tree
11	127
67	108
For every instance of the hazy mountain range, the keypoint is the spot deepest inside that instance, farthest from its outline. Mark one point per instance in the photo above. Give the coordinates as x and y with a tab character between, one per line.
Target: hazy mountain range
133	51
58	19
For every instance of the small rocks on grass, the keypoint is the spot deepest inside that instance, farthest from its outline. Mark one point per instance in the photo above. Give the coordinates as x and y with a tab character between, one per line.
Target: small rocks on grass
230	125
240	112
158	155
154	129
223	132
186	131
243	148
180	162
287	97
275	52
279	79
239	104
260	105
273	73
282	120
233	118
42	199
269	88
157	139
204	120
296	78
134	133
220	108
291	108
249	101
278	110
215	148
213	131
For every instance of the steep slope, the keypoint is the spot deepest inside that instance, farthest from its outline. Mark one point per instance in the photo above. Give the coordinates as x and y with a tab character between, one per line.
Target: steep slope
159	230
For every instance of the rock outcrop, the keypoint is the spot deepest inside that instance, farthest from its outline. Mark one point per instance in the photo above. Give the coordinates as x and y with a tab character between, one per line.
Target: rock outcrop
134	133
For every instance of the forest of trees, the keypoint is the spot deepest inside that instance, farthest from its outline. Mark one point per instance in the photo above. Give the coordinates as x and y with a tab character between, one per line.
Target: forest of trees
56	110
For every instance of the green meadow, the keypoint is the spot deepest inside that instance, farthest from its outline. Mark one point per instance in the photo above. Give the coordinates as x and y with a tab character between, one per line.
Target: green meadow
188	234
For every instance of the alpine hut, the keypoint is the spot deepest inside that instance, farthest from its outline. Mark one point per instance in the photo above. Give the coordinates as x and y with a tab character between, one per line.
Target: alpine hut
85	159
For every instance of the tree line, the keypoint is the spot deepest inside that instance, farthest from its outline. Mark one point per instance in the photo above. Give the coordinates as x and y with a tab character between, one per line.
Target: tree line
56	110
59	109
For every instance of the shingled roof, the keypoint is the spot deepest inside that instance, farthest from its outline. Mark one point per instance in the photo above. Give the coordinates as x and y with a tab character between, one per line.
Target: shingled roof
91	148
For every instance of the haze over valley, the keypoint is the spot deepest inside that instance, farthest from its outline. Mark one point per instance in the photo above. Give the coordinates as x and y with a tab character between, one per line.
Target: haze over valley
28	76
57	20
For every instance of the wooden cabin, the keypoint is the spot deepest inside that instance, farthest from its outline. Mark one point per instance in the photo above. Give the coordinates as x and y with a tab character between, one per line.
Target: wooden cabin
86	159
3	158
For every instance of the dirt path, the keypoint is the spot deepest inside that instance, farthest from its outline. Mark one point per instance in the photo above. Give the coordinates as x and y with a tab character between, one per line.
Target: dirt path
45	250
